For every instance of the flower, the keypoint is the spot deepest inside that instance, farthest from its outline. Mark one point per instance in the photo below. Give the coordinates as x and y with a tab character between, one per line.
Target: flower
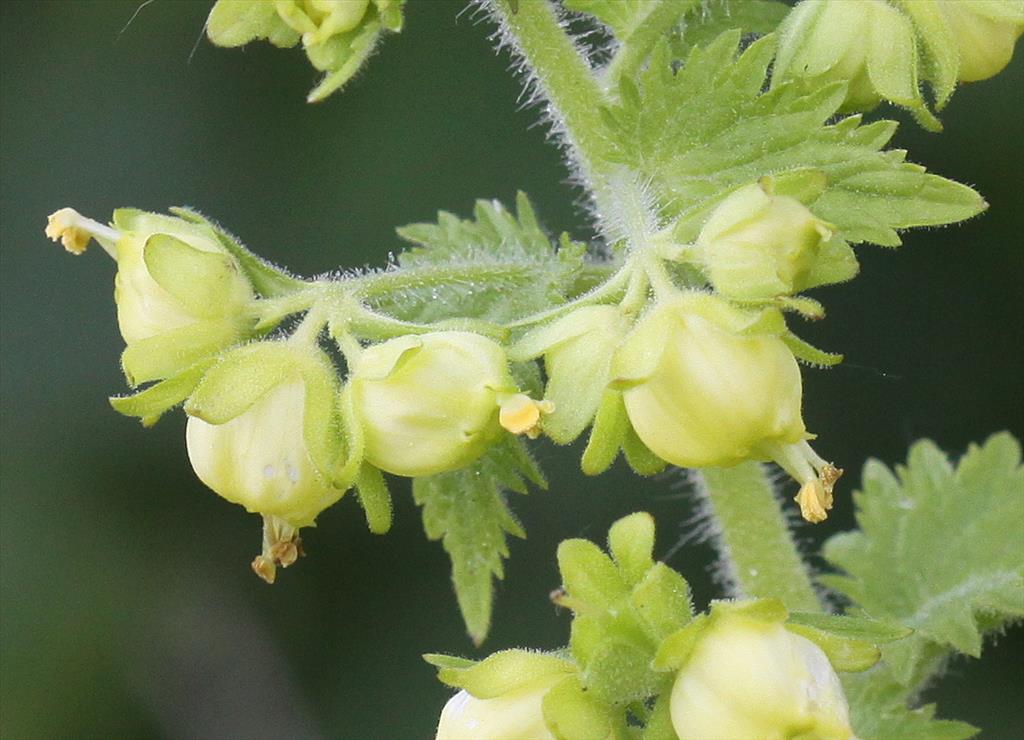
868	44
180	295
752	678
262	433
337	35
577	351
706	384
514	715
435	402
756	246
984	32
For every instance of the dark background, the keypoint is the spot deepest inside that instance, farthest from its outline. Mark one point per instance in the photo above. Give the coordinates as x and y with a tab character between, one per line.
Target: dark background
128	606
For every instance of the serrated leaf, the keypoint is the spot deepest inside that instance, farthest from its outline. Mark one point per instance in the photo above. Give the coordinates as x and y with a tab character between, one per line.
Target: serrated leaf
508	267
717	16
705	129
938	546
879	711
621	16
466	510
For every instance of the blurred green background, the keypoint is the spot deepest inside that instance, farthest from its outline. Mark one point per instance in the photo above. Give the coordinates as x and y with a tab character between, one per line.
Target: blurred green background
128	609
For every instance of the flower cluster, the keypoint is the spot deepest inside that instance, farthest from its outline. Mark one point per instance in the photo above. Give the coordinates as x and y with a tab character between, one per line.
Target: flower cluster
337	35
880	48
702	379
637	656
271	426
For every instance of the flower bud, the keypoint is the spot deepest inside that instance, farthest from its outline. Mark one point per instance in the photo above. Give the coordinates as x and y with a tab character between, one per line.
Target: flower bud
435	402
985	32
259	459
868	44
337	35
577	353
698	393
748	678
709	385
180	295
264	432
756	246
514	715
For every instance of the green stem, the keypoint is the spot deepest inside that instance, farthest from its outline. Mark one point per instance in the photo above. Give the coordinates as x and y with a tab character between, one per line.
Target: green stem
754	539
604	293
565	78
376	284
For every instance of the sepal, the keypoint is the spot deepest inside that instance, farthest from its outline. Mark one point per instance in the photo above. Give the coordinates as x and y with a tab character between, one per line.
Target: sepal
153	402
577	351
375	498
572	713
269	280
500	672
171	352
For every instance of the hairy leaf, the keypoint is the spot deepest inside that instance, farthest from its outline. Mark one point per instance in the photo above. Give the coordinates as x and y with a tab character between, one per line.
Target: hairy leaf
466	510
716	16
703	130
496	266
621	16
878	711
938	550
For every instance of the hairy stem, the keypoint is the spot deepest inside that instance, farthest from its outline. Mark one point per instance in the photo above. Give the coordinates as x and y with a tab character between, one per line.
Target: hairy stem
564	77
753	538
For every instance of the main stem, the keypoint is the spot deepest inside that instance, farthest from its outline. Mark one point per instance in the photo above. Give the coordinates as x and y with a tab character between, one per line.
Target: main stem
567	82
755	543
754	538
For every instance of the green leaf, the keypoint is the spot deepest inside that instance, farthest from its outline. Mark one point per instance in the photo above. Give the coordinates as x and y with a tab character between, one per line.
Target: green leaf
466	509
938	548
623	17
702	131
717	16
506	267
879	711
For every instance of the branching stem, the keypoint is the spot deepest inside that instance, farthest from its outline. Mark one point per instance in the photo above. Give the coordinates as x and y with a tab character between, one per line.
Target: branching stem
755	541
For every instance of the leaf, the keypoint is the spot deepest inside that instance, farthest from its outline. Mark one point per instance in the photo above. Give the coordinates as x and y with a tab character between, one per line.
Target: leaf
938	549
716	16
513	266
702	131
466	510
623	17
878	711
